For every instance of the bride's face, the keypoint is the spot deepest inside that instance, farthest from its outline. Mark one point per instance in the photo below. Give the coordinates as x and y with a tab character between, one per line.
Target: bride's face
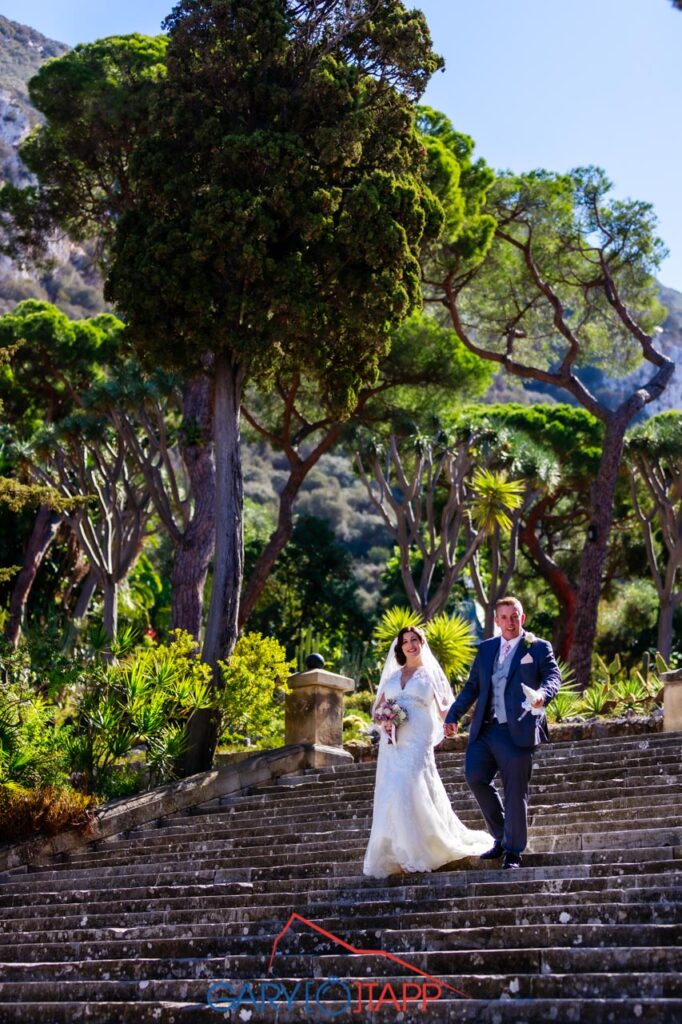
412	647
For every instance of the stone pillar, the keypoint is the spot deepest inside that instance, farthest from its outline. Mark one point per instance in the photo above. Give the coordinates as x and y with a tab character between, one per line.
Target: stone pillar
672	700
314	713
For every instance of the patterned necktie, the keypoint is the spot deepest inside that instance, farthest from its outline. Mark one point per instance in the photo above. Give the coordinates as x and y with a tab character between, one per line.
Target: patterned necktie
505	650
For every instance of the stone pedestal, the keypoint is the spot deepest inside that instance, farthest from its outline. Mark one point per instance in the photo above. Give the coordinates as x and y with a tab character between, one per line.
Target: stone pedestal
314	709
672	701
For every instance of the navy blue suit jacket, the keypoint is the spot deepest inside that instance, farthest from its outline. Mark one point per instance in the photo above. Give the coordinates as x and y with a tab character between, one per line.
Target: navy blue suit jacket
541	672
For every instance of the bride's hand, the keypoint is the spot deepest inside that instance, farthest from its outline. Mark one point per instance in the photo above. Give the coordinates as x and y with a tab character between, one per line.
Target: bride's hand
450	729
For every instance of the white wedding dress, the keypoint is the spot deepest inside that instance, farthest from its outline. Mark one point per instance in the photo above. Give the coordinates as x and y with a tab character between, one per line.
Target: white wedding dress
414	827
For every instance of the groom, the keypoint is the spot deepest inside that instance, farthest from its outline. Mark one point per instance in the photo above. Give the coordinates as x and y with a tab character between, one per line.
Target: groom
504	734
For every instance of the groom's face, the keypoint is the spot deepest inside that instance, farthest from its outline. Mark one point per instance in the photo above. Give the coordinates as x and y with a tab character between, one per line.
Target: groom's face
510	618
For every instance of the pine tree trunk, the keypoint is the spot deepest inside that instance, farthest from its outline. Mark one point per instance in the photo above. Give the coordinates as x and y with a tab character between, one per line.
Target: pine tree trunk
195	549
110	613
665	627
42	535
223	613
595	550
560	585
88	587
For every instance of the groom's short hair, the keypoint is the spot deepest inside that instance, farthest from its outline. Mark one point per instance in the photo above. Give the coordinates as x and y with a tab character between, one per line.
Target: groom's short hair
509	600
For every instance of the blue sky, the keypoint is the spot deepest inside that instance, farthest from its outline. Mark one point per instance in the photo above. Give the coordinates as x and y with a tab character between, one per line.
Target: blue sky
536	84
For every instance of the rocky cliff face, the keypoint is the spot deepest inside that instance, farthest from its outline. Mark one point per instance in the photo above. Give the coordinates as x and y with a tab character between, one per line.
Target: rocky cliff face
73	284
22	51
671	344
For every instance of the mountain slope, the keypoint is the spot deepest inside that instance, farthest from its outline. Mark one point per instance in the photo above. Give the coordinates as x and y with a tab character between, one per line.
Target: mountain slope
73	283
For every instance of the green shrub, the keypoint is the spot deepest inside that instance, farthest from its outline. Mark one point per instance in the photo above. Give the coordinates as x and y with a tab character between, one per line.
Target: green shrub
356	727
357	719
252	702
32	752
144	700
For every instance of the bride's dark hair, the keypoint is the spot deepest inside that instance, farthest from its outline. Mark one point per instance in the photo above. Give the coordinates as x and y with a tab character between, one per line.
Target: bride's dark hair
399	656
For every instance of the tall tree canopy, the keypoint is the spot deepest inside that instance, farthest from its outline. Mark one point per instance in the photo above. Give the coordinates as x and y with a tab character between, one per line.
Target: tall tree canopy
262	200
566	283
654	458
278	215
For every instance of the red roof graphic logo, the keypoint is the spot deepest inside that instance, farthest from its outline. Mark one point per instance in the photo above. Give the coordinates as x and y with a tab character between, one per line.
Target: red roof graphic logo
356	952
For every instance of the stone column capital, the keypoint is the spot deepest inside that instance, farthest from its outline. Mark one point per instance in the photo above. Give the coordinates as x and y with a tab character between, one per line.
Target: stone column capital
314	708
319	677
672	700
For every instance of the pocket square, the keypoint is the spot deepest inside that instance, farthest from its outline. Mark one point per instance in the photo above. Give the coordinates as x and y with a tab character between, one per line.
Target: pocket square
527	659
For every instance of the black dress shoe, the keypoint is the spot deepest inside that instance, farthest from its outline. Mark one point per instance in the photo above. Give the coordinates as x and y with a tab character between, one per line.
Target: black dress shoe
494	853
511	860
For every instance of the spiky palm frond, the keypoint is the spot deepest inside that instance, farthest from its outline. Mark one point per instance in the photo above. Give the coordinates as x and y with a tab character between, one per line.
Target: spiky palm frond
494	497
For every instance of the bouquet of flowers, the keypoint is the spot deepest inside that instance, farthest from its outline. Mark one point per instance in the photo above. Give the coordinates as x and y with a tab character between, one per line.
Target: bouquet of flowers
389	716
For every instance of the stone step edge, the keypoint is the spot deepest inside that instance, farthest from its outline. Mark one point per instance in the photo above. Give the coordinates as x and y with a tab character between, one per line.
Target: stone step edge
645	912
136	905
557	867
329	839
387	940
615	842
504	984
540	957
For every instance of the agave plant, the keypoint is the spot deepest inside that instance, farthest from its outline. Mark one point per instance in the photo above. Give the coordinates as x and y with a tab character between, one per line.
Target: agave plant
631	694
565	705
450	637
597	700
452	642
390	624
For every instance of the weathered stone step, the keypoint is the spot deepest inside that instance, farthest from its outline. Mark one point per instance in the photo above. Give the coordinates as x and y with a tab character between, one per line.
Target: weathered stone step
432	889
556	867
231	909
560	757
559	960
214	940
547	817
655	985
277	825
544	772
598	899
541	782
583	846
222	922
362	806
550	813
571	764
298	878
166	851
479	884
512	1011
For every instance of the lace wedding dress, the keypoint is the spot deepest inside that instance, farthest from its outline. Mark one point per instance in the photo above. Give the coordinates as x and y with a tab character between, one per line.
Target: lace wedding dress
414	827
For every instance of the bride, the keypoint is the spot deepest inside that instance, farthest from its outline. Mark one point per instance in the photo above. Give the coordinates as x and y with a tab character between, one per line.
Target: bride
414	827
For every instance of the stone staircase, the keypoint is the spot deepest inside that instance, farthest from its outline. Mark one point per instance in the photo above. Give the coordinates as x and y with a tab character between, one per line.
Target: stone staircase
176	921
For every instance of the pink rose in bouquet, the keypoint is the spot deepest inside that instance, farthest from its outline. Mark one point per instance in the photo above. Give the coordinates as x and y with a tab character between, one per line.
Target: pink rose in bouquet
389	716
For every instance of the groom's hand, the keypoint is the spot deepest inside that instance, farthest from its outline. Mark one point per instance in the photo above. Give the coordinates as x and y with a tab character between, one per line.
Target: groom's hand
450	729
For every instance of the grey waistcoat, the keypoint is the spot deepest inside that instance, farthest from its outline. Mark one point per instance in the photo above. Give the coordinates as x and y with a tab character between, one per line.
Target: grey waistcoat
499	681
